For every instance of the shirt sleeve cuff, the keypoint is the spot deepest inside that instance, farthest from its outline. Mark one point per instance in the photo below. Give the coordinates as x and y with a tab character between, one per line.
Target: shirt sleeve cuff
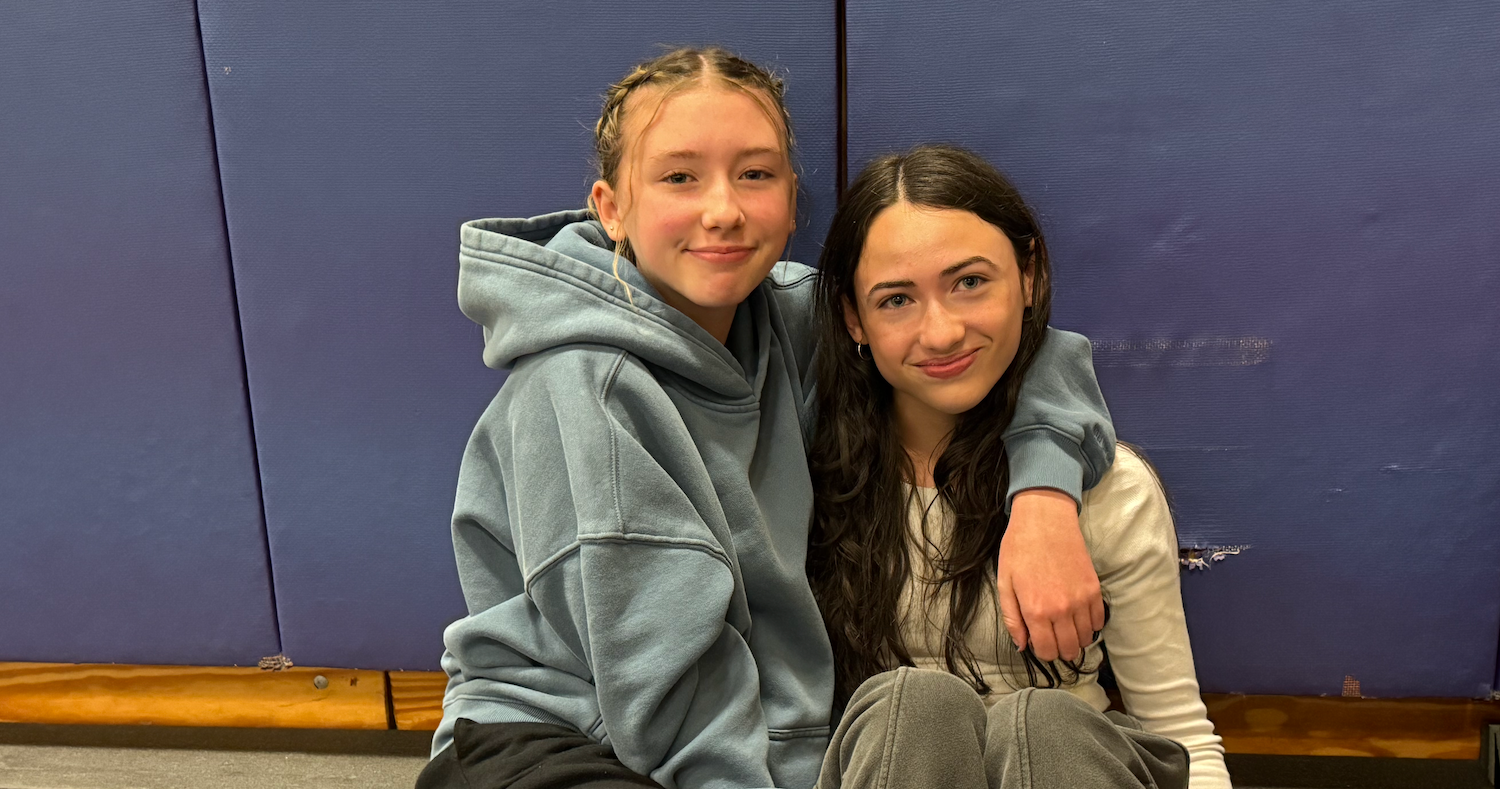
1042	458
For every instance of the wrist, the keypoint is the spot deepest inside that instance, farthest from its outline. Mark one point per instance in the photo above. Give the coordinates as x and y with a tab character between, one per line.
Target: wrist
1044	510
1044	459
1034	504
1044	494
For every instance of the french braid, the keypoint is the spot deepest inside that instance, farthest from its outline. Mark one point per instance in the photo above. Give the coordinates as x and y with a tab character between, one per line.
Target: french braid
671	70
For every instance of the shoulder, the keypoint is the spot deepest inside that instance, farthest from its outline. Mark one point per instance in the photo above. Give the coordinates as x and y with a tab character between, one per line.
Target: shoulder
574	380
1127	512
791	287
1069	340
790	276
1129	479
1065	346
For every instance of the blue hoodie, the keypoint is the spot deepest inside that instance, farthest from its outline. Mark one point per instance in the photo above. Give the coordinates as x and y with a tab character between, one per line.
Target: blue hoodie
632	510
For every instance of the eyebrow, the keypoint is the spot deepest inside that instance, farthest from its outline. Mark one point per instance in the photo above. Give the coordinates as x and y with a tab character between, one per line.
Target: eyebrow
745	154
947	272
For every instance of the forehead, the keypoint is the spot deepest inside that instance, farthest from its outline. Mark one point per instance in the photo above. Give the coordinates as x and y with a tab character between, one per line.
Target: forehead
917	242
700	116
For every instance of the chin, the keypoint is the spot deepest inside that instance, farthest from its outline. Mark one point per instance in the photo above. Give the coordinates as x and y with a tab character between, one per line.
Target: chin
727	295
954	403
718	299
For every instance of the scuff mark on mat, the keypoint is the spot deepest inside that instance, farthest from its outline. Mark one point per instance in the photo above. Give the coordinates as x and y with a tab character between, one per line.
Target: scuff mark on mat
1196	447
1422	468
1199	558
1210	352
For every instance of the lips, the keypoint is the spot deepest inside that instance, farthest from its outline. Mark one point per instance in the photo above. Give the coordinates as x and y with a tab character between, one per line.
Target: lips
722	253
949	366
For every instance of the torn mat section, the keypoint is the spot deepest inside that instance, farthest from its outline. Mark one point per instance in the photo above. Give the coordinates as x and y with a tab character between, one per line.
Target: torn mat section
276	663
1202	557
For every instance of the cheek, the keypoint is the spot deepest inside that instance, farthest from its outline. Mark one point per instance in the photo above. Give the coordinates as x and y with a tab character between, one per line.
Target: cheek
769	207
888	345
1013	316
659	223
1004	325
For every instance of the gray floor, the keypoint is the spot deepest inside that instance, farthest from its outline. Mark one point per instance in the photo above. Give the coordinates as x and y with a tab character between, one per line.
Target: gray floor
90	757
66	767
162	757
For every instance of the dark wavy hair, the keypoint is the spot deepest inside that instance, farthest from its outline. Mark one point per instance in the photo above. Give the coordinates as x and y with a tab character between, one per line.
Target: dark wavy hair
857	557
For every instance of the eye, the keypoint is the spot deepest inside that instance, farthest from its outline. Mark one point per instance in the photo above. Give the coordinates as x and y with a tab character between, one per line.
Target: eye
675	178
970	282
896	301
758	175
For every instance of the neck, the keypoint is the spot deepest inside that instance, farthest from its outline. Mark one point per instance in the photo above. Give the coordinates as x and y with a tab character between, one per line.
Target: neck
924	432
714	320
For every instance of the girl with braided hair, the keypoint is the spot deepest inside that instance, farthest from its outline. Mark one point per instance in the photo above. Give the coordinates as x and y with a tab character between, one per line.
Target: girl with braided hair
632	512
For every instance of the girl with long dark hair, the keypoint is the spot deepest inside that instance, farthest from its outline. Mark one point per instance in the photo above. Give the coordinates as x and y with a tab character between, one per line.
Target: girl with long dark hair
933	298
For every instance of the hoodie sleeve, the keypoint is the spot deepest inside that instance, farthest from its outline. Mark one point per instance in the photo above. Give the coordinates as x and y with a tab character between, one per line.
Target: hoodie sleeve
1061	436
625	579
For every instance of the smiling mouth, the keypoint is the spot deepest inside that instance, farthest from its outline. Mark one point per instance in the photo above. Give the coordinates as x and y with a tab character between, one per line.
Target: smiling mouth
721	254
949	366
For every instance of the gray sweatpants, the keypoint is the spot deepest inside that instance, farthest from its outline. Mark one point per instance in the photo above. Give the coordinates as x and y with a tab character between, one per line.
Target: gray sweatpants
913	729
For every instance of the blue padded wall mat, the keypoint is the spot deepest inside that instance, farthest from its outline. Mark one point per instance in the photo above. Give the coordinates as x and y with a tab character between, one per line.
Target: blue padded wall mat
1278	223
354	138
130	526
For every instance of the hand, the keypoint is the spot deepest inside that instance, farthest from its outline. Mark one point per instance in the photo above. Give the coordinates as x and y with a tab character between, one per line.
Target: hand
1049	592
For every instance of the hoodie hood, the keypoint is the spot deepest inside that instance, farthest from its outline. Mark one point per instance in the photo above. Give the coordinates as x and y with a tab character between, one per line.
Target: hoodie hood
539	283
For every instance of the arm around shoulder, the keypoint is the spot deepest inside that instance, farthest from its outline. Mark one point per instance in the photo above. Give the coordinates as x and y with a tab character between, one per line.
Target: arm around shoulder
1061	436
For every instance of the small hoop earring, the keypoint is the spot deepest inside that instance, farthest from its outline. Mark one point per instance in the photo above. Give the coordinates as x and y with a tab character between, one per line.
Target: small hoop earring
859	350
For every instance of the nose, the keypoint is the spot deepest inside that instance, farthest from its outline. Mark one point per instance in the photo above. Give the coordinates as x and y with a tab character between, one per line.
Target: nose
721	207
942	329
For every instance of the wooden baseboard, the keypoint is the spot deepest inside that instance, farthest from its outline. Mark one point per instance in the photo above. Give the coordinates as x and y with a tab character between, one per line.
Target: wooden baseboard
417	699
192	696
1333	726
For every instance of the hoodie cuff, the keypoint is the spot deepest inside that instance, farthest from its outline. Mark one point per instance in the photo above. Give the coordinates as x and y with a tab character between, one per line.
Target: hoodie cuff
1042	458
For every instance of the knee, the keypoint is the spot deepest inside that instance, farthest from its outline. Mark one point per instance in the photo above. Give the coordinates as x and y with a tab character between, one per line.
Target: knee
903	723
1059	713
938	689
920	693
1052	702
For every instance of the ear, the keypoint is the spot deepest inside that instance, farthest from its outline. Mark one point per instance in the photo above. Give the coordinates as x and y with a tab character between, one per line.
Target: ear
794	201
852	323
602	196
1028	273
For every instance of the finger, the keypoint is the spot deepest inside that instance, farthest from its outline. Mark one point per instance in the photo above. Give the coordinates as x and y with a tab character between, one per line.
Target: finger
1043	642
1083	625
1067	639
1096	612
1010	614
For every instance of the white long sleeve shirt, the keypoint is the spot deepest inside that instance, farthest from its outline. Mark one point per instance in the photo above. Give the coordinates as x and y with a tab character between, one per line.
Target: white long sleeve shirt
1128	529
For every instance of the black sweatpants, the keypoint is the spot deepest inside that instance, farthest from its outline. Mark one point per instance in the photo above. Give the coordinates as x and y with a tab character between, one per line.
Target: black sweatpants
526	756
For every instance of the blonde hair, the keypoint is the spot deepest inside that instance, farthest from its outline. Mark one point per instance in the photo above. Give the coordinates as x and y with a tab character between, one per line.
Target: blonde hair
671	71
